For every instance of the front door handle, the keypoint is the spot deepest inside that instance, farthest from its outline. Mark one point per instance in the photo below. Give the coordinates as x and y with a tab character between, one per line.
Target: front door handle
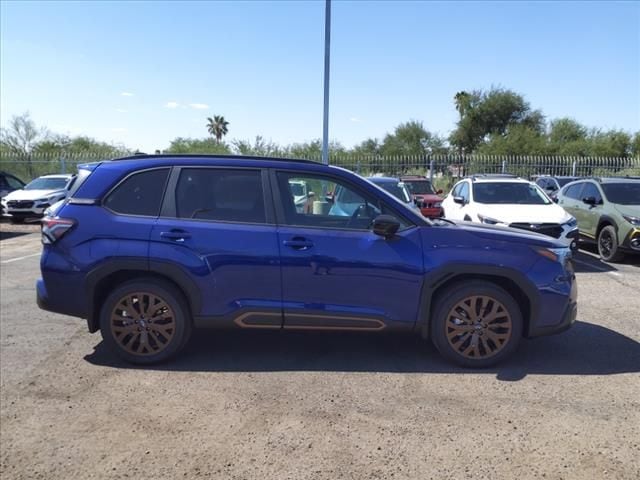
298	243
175	235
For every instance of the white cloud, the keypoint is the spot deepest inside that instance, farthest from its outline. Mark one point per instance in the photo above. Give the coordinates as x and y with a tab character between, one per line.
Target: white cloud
199	106
172	105
355	120
121	110
126	94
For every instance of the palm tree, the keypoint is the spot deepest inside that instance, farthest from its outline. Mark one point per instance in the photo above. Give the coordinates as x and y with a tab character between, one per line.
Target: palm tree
461	100
217	126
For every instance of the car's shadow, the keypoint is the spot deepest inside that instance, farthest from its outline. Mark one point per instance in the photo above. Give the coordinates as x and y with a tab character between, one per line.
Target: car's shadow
586	349
7	235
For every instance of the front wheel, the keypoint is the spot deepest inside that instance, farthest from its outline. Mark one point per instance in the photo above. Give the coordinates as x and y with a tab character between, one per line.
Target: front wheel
145	321
608	245
476	324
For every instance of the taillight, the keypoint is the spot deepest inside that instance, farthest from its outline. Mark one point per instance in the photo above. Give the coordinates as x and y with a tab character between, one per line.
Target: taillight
54	228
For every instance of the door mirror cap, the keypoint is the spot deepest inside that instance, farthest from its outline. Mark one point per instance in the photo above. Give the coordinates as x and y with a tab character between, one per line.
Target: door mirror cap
589	200
385	225
459	200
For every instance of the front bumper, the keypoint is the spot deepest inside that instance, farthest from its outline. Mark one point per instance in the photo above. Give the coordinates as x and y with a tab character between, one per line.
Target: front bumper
26	212
631	242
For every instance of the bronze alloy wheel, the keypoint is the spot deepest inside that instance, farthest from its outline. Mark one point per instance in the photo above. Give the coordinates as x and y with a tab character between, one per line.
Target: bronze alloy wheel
142	323
478	327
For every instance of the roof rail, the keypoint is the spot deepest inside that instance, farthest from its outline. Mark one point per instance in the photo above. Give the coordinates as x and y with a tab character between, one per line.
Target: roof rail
167	156
492	175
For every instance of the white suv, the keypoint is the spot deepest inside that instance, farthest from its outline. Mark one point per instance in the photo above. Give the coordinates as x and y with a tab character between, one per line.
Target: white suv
510	201
37	196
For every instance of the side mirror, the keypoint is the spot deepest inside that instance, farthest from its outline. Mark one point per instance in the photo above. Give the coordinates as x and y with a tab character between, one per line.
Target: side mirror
589	200
385	226
329	198
439	191
459	200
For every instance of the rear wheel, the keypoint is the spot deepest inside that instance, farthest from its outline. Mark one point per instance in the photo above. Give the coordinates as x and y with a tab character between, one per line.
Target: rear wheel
476	324
608	245
145	321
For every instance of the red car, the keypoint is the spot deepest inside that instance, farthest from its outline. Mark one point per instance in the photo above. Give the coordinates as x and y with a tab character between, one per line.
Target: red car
427	197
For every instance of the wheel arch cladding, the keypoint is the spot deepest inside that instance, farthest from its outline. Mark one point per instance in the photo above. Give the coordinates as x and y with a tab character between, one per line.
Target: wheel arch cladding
523	296
605	220
105	279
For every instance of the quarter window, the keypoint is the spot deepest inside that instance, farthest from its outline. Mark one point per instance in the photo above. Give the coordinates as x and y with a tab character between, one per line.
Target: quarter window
139	194
231	195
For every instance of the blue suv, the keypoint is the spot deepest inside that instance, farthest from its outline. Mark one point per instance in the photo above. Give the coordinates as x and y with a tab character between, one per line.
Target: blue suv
150	247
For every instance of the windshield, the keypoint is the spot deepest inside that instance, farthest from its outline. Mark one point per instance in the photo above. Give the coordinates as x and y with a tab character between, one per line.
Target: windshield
43	183
420	187
563	181
398	190
622	193
509	193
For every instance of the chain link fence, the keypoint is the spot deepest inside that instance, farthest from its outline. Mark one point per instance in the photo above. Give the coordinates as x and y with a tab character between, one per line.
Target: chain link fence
443	169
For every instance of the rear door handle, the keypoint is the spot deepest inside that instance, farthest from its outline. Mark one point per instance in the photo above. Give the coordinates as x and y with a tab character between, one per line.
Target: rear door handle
298	243
175	235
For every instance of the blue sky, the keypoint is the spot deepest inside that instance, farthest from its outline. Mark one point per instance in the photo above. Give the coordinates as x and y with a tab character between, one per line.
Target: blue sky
142	73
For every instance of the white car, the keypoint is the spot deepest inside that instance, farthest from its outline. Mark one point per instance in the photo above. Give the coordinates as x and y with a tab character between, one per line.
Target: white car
509	201
37	196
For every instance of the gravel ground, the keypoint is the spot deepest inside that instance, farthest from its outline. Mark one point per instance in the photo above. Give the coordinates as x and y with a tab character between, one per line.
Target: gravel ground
288	405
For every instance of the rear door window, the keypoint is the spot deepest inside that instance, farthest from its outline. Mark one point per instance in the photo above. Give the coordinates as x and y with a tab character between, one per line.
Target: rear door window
139	194
227	195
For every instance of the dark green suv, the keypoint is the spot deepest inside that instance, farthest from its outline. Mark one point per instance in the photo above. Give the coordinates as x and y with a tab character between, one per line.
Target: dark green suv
608	213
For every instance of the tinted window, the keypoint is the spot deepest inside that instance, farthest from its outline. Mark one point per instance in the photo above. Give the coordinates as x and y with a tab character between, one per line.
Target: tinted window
543	183
563	181
328	203
222	195
573	191
509	193
139	194
622	193
420	187
13	182
590	190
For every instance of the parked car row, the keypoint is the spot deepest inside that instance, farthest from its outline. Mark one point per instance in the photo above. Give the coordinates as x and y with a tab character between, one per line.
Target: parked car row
30	201
605	211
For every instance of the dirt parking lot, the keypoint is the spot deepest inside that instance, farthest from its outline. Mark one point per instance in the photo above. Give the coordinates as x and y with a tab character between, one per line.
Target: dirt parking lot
264	405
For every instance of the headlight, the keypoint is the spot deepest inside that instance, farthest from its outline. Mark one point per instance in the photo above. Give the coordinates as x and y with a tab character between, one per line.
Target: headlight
554	254
437	204
572	223
632	220
488	220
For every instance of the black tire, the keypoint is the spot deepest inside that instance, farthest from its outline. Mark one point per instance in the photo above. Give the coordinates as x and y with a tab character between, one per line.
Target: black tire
492	347
176	316
608	246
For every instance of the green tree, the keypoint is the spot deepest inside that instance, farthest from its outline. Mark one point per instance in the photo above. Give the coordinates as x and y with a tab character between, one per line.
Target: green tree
217	126
635	145
21	137
484	115
259	147
198	145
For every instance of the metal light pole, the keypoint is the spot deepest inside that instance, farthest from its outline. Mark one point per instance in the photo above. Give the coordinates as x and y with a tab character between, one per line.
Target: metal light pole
327	52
